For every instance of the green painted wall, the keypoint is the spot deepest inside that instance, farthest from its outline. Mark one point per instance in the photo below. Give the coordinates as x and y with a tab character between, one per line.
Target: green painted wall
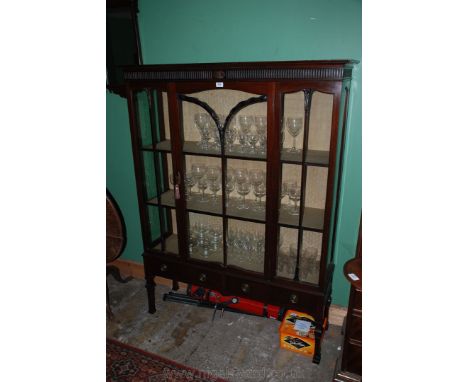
182	31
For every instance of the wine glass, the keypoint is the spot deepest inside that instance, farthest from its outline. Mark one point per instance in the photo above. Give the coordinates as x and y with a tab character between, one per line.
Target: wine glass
294	194
292	258
259	192
261	124
212	173
243	189
203	185
285	191
229	188
262	141
215	186
308	261
294	126
230	136
252	139
241	174
256	177
216	237
190	182
214	133
198	170
203	124
245	121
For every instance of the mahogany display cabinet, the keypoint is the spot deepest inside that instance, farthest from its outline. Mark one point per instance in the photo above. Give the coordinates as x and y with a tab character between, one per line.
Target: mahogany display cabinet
238	175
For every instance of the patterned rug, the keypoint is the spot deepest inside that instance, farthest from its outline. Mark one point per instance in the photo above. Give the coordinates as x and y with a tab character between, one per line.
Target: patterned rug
126	363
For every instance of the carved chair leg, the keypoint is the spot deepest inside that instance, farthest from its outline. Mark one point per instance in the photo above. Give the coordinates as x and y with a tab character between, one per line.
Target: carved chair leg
150	287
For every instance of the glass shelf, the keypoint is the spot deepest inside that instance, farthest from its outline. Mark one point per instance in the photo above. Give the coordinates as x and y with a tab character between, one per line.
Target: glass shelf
211	207
313	157
192	147
313	217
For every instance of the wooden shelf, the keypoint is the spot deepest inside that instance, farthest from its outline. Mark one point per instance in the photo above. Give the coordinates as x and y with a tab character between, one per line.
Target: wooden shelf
313	217
313	157
172	245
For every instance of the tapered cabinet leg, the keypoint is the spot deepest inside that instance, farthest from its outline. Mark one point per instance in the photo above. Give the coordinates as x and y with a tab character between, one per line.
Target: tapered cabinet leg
150	287
318	343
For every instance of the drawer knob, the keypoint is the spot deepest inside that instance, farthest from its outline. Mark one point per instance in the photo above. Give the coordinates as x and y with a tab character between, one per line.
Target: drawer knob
202	277
245	288
293	298
163	268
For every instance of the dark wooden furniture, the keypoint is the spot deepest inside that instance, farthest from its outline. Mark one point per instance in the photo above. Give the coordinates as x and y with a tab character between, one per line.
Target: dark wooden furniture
293	265
351	361
122	41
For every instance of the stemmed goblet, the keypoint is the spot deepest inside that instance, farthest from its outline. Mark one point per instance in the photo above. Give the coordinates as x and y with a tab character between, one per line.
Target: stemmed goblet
203	185
259	192
243	188
294	126
294	193
198	171
215	186
261	125
203	125
245	121
189	182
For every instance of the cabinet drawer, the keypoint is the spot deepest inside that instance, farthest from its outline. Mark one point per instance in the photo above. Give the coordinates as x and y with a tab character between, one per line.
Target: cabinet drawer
161	267
202	277
292	299
357	300
245	288
354	328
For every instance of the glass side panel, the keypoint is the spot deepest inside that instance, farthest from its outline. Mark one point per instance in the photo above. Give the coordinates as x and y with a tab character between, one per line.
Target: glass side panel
154	226
143	117
246	245
205	237
171	244
150	174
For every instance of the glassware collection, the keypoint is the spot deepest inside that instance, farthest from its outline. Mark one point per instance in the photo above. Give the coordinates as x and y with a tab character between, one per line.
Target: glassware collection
249	140
203	183
309	262
205	239
243	181
246	248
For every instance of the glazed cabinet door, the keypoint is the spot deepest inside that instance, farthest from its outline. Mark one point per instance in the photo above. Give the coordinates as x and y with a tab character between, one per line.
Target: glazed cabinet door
222	158
153	158
308	119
